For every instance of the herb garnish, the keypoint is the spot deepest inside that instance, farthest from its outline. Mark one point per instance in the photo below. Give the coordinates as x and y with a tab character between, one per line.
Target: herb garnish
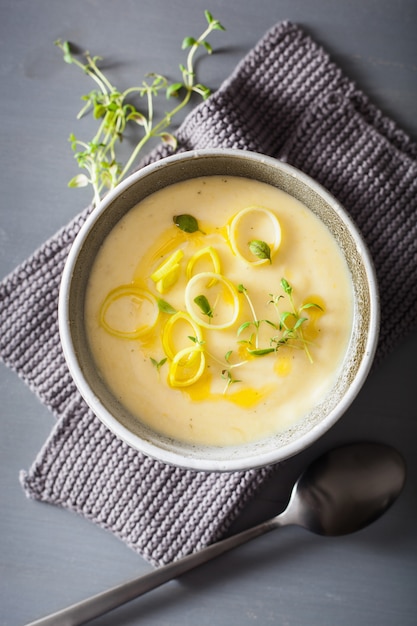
227	373
291	322
115	111
186	222
158	364
202	302
165	307
290	325
260	249
256	323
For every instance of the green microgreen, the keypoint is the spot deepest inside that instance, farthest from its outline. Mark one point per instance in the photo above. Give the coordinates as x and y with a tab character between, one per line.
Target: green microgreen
261	351
255	322
115	112
227	372
227	375
291	322
196	340
158	364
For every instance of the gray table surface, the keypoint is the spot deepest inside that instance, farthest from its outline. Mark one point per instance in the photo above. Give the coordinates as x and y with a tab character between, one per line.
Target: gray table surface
50	557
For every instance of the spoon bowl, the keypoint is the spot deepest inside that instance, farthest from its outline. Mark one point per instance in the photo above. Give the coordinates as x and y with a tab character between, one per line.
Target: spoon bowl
341	492
346	489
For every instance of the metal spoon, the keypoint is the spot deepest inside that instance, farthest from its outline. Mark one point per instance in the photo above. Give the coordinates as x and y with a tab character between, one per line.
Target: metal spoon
341	492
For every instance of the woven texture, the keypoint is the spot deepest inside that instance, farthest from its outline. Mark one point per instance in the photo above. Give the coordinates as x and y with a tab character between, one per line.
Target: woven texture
286	99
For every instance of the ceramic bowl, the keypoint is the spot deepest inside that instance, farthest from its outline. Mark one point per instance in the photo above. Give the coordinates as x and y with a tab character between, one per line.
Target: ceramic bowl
96	393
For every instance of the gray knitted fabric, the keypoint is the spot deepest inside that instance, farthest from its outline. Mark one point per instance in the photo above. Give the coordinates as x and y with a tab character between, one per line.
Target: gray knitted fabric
286	99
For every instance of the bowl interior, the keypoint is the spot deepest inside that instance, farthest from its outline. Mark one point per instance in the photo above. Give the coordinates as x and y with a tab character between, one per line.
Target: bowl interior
74	284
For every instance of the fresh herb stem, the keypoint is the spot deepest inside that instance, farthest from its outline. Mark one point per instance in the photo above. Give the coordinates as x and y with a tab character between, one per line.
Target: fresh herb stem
158	364
299	321
290	325
256	323
294	332
243	290
226	372
98	157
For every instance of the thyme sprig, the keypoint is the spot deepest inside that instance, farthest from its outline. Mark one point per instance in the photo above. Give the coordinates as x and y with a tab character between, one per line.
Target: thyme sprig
291	322
158	364
115	111
227	372
290	331
254	337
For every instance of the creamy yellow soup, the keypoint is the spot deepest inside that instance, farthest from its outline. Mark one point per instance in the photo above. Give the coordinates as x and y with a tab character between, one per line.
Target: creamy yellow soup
226	334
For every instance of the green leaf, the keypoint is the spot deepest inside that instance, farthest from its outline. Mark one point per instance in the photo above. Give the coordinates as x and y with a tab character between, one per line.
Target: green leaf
260	249
188	42
80	180
215	24
286	286
284	316
310	305
106	179
209	17
261	352
242	327
226	375
73	140
228	355
158	364
202	302
66	49
207	47
165	307
202	90
99	111
186	222
136	117
172	90
196	340
169	139
299	322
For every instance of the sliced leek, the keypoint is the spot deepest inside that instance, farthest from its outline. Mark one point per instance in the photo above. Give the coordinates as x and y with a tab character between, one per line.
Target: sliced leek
166	266
136	303
170	334
187	367
209	252
164	284
251	215
220	292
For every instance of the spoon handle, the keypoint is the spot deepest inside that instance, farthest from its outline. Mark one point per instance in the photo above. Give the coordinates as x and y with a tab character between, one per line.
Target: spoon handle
105	601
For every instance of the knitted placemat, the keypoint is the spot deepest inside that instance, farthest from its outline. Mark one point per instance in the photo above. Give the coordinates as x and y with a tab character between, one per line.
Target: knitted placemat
286	99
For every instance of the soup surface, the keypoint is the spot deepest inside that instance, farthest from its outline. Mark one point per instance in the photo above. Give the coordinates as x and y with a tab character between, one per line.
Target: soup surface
219	310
